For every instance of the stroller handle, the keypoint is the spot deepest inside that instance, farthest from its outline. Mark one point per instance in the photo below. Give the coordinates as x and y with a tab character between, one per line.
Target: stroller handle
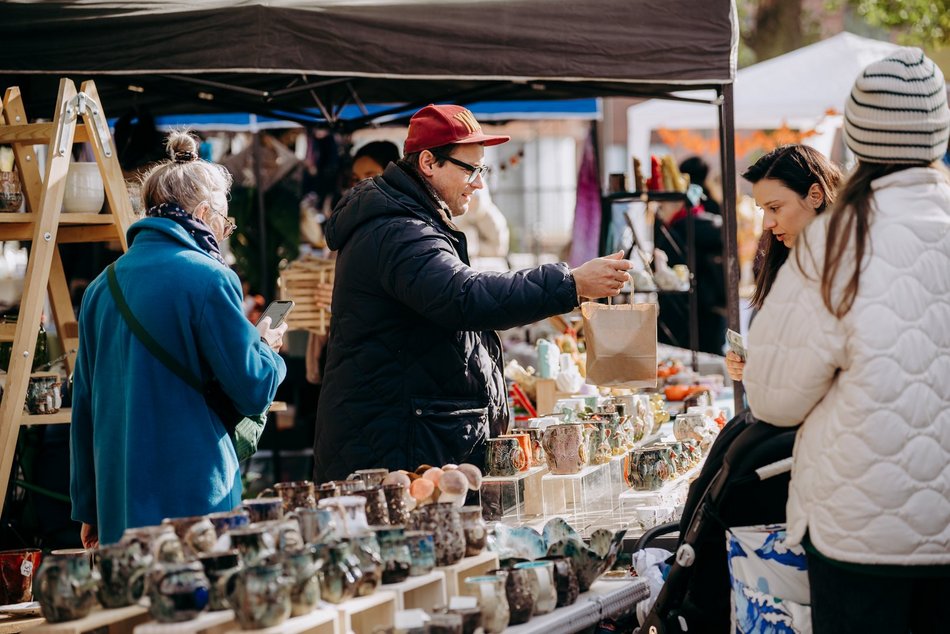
774	469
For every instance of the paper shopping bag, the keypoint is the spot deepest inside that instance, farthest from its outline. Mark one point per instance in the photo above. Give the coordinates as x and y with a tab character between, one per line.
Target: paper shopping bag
621	344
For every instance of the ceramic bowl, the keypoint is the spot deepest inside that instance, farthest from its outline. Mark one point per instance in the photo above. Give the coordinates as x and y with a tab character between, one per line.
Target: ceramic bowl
590	561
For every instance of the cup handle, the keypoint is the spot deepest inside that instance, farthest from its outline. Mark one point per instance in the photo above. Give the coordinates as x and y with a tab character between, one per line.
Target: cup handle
266	493
518	459
133	583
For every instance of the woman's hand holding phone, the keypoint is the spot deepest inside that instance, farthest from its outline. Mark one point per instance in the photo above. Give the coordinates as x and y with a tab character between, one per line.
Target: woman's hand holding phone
273	337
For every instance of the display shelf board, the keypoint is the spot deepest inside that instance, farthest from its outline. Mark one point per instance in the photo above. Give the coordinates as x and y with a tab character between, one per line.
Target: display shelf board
604	599
424	592
456	574
118	621
574	496
10	624
205	623
514	496
323	621
365	614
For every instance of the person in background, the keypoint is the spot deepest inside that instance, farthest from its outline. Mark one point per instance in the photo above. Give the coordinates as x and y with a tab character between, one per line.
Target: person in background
852	340
486	230
372	159
144	444
698	171
670	236
414	367
792	184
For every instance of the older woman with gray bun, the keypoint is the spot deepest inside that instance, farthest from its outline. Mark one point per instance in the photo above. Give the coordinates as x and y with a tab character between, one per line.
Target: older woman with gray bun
145	445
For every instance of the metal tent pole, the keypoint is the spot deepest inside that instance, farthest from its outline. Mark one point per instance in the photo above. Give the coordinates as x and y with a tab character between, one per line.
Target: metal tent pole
727	161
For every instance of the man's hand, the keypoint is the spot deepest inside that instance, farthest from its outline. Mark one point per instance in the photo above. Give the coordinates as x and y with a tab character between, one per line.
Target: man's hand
89	535
602	277
735	366
273	337
323	294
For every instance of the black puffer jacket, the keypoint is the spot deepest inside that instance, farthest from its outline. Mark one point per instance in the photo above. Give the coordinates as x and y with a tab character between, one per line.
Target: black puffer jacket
414	367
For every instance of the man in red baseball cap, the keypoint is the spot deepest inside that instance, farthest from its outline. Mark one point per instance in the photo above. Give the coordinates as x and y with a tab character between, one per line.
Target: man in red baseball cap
414	366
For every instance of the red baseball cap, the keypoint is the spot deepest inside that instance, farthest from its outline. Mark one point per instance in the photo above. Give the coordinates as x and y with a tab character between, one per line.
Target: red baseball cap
435	126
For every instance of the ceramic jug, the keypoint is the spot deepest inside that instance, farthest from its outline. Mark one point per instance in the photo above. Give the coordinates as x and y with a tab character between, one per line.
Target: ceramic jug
564	448
260	597
66	587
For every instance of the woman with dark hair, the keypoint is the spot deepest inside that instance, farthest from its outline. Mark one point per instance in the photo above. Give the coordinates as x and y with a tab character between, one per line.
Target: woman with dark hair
792	184
372	160
852	343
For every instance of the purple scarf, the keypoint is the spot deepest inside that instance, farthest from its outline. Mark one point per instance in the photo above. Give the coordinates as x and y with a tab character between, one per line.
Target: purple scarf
196	229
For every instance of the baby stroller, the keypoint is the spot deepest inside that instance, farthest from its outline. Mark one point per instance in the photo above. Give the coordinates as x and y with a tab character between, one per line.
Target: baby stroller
743	482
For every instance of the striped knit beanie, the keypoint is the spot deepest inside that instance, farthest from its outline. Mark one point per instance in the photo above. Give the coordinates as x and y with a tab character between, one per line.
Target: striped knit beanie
897	111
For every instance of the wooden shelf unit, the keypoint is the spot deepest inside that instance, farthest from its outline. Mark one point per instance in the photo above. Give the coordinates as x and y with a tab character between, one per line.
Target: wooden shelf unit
78	118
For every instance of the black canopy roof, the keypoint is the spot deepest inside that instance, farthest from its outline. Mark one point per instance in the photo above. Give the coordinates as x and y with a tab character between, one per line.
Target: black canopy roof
300	56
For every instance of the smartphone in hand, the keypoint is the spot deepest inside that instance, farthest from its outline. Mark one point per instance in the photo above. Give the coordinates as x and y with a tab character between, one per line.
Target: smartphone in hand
277	311
736	343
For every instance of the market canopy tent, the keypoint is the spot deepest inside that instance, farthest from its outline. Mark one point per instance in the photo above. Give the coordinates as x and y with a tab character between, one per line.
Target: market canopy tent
802	89
283	57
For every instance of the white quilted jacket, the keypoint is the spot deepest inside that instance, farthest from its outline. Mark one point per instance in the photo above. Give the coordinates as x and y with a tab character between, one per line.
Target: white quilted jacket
871	474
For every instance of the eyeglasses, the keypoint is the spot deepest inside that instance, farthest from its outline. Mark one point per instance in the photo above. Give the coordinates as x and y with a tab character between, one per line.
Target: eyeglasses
229	226
474	170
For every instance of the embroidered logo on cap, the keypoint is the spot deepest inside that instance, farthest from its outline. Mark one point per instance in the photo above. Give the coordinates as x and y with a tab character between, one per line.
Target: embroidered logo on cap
467	119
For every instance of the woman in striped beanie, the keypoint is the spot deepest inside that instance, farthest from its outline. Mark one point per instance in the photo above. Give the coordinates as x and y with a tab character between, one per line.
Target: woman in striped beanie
854	340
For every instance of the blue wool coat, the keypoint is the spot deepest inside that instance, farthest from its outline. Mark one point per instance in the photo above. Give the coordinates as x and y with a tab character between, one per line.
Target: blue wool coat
144	445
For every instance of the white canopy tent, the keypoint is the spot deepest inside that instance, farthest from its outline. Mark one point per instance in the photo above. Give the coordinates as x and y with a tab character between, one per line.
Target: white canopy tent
797	89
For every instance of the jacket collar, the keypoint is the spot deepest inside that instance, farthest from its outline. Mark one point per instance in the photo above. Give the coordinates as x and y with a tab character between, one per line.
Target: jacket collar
911	176
148	227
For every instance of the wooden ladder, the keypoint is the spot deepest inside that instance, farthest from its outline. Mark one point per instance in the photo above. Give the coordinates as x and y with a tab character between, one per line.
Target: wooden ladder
46	226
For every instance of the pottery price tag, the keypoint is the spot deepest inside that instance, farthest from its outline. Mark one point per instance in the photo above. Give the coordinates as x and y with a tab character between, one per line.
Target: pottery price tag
26	568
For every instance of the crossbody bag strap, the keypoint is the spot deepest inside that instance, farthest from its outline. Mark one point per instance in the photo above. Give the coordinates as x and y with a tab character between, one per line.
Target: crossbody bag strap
147	340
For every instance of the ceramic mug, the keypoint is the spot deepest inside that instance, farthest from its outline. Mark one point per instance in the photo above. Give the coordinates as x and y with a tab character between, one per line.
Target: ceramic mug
524	441
648	468
565	580
260	597
122	568
564	448
371	477
504	457
341	576
325	490
394	553
349	487
66	586
442	520
535	434
396	504
377	510
178	592
226	520
492	600
689	426
541	584
197	534
421	551
264	509
17	568
316	525
365	547
253	543
160	542
303	565
520	598
349	513
293	494
284	534
473	525
43	394
220	569
11	195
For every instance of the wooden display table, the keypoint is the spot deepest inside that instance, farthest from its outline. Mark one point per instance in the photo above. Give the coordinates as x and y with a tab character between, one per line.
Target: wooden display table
10	624
469	567
216	622
365	614
424	592
116	621
322	621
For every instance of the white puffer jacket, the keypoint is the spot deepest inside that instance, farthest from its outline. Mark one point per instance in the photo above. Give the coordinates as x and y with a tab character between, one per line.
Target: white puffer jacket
871	474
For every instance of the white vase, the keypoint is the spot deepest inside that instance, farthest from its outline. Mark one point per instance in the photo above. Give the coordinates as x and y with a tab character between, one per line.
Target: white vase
84	189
